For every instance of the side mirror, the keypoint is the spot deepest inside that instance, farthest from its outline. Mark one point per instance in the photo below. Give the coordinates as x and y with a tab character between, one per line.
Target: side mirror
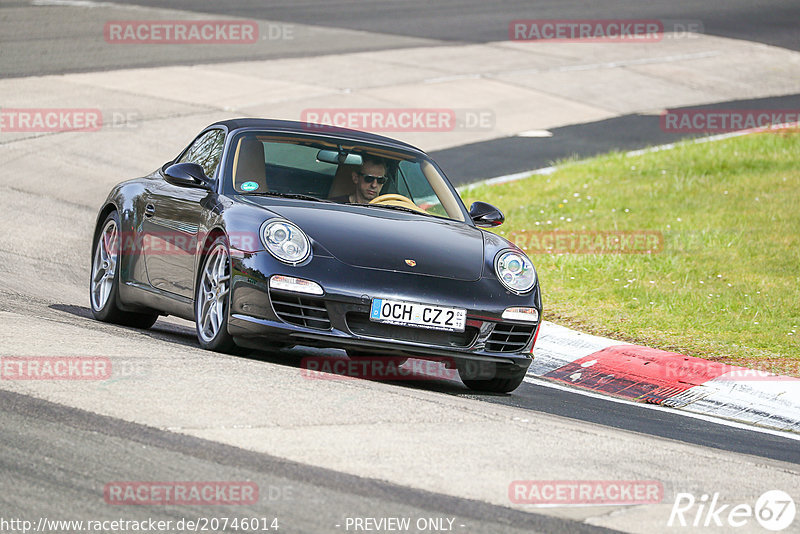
486	215
187	175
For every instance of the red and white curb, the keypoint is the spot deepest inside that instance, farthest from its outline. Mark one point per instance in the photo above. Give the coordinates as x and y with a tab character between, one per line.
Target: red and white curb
642	374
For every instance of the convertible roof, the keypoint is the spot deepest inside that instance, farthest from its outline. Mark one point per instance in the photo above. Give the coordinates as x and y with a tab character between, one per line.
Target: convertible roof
303	127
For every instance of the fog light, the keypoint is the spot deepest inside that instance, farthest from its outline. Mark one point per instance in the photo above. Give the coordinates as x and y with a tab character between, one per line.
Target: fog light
517	313
290	283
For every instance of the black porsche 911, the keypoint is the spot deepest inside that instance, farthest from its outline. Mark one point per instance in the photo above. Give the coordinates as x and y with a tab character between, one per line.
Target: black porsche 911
270	234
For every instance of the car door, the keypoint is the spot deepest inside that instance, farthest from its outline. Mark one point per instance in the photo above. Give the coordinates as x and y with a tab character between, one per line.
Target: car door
172	220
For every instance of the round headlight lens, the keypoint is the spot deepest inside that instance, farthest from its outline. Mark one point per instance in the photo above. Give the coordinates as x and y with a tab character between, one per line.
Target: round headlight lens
515	271
285	241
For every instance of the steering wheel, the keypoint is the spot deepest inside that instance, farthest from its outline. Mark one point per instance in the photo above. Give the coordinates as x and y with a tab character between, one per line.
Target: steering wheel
393	199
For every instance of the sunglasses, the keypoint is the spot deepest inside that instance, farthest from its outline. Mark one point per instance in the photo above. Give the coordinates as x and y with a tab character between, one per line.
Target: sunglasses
368	178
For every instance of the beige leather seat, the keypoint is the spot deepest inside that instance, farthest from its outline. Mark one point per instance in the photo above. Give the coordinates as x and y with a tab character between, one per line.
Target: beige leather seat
249	165
343	181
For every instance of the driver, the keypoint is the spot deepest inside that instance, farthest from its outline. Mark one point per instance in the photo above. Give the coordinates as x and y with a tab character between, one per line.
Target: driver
368	179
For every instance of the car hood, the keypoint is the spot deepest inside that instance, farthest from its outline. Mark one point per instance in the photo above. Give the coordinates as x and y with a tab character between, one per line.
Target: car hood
377	238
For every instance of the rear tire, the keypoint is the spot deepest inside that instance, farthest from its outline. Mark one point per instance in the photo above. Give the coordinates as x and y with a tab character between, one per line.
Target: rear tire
104	281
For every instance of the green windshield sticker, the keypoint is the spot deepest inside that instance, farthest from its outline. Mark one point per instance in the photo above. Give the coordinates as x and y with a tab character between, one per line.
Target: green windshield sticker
249	186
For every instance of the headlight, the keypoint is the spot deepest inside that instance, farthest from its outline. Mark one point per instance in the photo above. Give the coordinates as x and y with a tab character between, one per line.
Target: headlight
515	271
285	241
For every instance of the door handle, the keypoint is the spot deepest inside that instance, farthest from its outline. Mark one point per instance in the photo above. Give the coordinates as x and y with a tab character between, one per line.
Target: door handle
149	210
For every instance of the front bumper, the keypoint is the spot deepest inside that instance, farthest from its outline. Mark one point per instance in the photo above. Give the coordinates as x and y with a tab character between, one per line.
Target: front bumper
340	317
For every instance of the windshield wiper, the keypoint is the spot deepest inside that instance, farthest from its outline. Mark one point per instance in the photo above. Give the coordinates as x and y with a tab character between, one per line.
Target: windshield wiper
287	195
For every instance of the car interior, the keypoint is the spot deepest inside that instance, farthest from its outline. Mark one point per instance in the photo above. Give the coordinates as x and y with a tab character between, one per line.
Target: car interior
273	164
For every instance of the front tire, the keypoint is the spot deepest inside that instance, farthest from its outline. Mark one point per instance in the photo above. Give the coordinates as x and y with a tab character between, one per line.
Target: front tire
504	379
212	297
104	282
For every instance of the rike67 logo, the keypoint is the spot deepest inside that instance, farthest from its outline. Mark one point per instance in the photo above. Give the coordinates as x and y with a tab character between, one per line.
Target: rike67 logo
774	510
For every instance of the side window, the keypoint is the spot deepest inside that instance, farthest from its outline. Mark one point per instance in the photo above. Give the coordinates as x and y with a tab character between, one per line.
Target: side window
206	151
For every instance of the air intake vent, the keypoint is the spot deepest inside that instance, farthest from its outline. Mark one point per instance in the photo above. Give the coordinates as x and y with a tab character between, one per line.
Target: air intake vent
509	337
301	311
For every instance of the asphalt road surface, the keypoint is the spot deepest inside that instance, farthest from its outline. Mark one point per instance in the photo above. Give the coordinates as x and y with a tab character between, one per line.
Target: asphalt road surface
39	38
71	455
72	45
468	163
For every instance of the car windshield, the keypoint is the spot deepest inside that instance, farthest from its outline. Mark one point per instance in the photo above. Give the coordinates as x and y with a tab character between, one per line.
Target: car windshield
270	164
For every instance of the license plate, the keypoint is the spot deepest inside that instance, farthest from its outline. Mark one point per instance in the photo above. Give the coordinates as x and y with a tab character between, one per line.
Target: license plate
419	315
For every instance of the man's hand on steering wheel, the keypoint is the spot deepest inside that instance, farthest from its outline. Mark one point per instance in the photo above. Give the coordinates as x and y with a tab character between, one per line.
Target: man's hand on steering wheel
394	199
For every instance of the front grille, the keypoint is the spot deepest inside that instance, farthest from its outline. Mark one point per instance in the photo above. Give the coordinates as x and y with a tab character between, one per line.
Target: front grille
301	311
509	337
359	324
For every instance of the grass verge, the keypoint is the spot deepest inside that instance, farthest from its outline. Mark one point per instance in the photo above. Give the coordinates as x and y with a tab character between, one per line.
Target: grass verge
724	282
